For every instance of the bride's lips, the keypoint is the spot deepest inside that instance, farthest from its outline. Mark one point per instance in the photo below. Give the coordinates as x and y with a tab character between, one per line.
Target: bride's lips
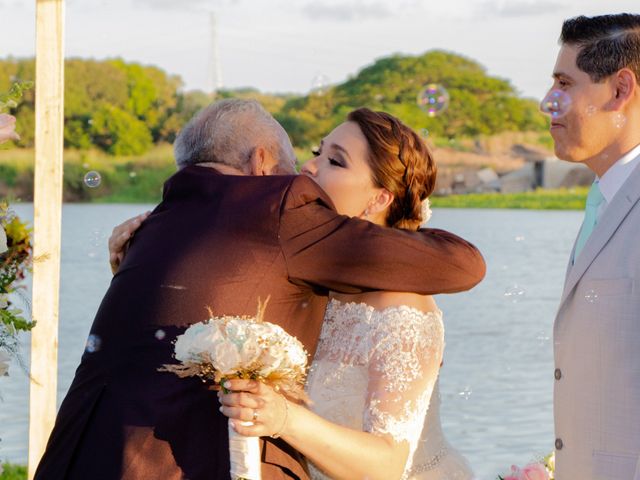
556	125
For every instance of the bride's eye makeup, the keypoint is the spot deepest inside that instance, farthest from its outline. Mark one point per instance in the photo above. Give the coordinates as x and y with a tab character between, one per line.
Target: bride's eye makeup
336	162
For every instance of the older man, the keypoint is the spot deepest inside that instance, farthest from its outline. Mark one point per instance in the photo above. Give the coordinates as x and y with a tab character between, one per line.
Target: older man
225	235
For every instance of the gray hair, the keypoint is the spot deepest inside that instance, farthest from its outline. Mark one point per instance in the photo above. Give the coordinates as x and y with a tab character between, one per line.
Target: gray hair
228	131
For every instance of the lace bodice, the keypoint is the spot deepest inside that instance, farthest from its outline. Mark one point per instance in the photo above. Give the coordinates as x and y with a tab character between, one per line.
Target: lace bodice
374	370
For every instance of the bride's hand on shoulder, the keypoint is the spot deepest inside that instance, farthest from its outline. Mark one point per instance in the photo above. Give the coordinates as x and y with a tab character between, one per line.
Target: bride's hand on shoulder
256	402
120	237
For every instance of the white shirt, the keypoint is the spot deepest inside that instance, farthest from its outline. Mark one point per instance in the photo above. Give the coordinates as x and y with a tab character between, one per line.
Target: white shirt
614	178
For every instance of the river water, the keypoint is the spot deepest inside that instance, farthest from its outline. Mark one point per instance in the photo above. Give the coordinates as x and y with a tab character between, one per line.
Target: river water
497	378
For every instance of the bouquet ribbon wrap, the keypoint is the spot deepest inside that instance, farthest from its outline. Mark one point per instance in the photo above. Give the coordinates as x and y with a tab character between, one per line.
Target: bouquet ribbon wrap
244	455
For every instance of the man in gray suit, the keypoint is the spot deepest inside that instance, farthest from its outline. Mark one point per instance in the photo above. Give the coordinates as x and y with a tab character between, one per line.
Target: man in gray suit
597	328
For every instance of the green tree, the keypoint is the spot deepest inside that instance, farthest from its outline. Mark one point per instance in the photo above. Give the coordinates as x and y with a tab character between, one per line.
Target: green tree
119	106
119	132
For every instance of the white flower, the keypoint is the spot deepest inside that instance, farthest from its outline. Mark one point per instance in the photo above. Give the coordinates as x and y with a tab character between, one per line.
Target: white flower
237	331
199	338
4	363
426	210
3	240
297	355
225	358
272	358
249	350
4	301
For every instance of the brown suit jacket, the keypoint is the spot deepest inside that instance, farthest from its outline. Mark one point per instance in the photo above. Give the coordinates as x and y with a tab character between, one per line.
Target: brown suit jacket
223	242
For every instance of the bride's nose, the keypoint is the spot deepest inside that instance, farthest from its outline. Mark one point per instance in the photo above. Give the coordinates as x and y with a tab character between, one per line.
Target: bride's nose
310	167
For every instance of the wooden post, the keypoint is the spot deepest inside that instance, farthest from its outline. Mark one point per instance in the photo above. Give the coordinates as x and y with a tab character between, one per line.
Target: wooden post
47	223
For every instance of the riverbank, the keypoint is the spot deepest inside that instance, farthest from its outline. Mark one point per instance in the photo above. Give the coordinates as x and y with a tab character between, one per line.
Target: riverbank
139	179
540	199
124	179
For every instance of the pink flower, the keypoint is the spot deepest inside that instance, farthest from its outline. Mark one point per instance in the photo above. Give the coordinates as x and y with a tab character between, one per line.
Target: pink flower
7	128
515	474
534	471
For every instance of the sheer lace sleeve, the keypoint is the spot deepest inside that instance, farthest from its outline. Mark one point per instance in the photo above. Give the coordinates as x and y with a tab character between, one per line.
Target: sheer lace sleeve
406	352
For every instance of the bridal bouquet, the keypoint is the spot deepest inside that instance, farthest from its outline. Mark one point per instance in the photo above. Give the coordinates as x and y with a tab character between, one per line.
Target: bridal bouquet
228	347
543	470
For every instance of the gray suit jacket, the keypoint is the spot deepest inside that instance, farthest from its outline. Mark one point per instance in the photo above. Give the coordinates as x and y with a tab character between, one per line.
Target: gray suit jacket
597	349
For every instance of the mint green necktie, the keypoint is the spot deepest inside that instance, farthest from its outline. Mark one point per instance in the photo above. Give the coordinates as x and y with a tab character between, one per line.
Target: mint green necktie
594	200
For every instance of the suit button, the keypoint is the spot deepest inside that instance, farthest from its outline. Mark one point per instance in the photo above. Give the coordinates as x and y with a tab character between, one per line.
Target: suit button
559	444
557	374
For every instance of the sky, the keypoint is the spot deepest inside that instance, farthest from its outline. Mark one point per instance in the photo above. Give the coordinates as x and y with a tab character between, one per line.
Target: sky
285	46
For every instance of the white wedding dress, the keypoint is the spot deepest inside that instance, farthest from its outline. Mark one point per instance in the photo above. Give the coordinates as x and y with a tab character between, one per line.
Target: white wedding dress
375	371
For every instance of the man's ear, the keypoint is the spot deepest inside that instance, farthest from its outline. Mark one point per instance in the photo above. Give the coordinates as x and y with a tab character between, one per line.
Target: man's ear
381	201
625	86
261	162
256	161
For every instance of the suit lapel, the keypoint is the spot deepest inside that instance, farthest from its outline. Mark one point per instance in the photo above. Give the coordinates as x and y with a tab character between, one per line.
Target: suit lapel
613	216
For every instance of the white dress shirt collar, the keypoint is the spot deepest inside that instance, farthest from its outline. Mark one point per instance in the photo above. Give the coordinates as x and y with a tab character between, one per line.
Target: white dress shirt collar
614	178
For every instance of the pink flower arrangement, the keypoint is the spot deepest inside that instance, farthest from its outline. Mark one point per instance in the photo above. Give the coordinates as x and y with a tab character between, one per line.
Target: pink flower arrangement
532	471
8	128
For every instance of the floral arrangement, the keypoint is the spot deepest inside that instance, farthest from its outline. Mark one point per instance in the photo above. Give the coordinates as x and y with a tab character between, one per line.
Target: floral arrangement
7	101
11	99
15	261
227	347
15	246
543	470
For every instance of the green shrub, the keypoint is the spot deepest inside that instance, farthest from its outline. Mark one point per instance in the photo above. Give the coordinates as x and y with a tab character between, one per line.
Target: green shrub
13	472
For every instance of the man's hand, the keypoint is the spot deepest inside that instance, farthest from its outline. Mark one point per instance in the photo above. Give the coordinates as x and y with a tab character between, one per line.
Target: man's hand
120	237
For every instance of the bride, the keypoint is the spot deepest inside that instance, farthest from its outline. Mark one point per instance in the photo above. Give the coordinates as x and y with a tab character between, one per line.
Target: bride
374	375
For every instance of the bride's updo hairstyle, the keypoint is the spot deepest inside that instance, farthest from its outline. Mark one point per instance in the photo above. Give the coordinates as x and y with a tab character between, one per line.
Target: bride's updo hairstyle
401	162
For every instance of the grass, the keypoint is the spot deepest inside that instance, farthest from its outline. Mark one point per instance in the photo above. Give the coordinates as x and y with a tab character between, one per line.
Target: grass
134	179
560	199
13	472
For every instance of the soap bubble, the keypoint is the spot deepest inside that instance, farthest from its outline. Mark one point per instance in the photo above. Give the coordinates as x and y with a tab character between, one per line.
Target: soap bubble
465	393
96	242
92	179
160	334
619	120
591	296
433	99
557	103
94	343
543	337
514	293
320	84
